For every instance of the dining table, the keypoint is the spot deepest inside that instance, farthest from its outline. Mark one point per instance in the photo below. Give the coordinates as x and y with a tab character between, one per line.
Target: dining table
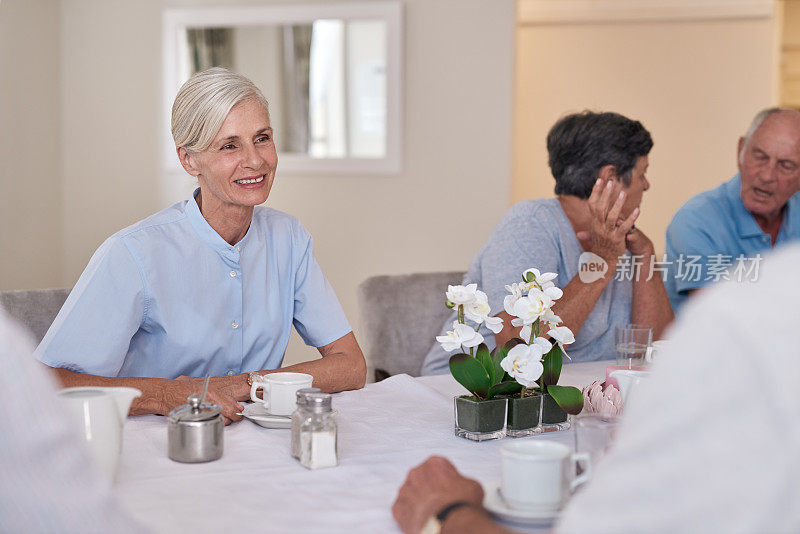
384	430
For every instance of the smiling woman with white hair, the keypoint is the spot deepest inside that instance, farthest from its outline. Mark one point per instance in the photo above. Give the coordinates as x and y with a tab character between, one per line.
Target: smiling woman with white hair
211	285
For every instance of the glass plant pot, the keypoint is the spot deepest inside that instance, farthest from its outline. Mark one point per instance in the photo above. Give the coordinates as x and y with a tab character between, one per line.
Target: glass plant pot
524	414
553	417
479	420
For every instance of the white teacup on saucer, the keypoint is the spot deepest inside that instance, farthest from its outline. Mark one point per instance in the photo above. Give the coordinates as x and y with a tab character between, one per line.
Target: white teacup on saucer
279	391
539	476
497	507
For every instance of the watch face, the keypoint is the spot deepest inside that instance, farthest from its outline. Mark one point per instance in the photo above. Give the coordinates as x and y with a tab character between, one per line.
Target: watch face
432	526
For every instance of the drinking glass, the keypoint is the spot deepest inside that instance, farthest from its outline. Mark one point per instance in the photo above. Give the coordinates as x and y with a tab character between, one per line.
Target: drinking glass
632	341
594	434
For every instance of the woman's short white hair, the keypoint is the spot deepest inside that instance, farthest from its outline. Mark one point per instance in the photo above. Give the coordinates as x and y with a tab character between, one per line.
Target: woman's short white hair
203	103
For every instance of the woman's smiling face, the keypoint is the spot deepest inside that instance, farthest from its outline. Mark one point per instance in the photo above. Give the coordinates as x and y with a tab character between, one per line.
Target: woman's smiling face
239	167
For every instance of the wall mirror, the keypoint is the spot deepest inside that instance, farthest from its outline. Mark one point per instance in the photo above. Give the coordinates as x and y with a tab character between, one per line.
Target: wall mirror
331	74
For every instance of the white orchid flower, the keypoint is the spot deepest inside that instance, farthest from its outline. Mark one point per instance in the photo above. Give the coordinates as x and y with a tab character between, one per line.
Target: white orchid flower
523	364
562	335
531	307
495	324
478	310
550	318
543	343
553	292
525	333
540	278
462	294
527	286
515	291
461	336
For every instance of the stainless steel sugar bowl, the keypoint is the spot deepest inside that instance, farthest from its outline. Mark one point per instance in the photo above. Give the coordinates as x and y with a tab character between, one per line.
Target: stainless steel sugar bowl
195	431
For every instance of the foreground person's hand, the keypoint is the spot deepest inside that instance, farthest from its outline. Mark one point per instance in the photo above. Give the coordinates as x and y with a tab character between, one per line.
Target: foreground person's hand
430	487
176	393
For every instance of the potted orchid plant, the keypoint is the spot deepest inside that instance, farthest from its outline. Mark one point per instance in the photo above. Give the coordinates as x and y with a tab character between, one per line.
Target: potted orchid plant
514	388
534	361
481	415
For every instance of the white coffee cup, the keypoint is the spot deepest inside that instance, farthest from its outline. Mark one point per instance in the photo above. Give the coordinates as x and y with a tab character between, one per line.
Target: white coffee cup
540	475
280	391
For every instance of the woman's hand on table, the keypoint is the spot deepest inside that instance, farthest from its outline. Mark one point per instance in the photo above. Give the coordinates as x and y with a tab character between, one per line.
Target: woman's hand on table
218	393
160	395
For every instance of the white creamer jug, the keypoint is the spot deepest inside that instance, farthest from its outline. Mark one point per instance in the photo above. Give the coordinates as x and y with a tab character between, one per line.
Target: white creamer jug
629	381
100	413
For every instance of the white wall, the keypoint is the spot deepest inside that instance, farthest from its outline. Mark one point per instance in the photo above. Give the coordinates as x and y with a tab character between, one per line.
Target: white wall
30	145
433	216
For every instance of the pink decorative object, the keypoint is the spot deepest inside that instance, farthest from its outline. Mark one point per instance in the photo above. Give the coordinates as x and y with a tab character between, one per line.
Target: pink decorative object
602	398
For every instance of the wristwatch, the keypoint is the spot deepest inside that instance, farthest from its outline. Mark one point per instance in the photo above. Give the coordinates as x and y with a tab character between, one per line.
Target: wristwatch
434	524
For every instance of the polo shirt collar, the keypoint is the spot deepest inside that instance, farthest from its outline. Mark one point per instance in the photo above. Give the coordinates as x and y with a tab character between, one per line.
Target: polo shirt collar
789	223
207	233
746	225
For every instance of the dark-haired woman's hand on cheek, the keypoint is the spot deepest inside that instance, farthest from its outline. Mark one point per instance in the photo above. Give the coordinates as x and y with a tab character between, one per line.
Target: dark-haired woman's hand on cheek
639	244
607	237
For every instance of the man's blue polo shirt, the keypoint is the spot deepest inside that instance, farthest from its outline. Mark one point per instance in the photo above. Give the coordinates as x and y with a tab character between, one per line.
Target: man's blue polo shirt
713	237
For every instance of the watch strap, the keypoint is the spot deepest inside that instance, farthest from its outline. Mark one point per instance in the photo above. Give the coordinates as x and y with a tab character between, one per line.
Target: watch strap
450	508
434	523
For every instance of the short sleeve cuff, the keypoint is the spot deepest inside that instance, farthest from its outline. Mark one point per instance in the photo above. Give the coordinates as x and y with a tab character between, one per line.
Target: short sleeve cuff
321	341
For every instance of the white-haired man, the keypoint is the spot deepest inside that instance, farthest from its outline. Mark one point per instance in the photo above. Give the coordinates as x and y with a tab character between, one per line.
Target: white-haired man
721	233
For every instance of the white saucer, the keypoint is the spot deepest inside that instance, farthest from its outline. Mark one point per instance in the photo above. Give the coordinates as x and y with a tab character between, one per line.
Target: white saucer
257	414
494	503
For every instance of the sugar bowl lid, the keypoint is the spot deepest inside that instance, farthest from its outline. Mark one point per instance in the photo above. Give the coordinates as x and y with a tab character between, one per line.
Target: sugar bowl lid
194	410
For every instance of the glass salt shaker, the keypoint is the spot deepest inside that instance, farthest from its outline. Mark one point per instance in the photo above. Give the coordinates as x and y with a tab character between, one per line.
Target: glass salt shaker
297	418
318	434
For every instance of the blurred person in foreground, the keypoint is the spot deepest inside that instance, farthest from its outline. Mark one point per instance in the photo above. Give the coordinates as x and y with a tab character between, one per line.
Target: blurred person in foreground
599	162
211	285
710	445
721	233
47	480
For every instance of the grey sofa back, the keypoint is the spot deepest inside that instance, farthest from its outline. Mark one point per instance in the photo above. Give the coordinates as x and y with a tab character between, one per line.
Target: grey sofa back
400	316
34	308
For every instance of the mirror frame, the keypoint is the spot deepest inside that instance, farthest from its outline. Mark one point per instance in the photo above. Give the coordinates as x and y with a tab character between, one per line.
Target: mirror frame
176	21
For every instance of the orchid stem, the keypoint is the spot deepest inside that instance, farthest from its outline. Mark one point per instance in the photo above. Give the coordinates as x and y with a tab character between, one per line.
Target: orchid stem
461	314
534	331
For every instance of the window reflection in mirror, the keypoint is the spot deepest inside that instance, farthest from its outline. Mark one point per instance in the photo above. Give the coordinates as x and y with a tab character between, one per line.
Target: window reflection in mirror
325	80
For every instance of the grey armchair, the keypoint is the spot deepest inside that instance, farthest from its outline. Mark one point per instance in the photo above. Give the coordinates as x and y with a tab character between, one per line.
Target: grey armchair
34	308
401	316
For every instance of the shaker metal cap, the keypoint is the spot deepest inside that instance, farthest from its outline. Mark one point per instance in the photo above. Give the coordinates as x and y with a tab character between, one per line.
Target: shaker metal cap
319	402
301	395
194	411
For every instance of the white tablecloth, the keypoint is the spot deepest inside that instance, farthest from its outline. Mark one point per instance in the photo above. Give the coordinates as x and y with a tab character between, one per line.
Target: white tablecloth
385	429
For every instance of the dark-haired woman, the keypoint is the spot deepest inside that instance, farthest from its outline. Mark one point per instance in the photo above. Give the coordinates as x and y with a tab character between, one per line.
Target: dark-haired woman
599	162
